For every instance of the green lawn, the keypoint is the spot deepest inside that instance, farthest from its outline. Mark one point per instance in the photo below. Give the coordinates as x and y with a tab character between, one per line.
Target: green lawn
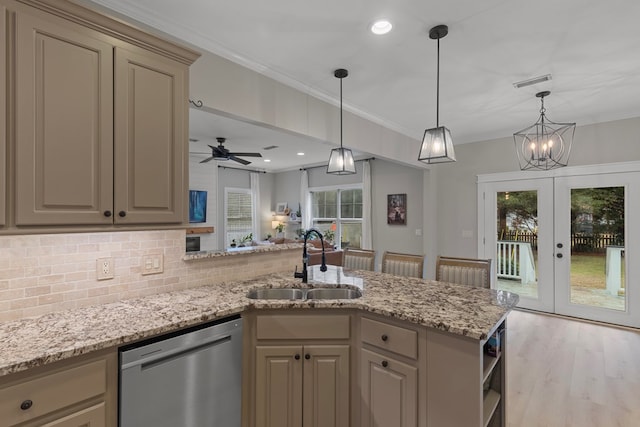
588	270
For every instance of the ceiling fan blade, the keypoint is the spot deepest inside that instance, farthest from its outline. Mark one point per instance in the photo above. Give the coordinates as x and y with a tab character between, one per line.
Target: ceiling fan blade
207	160
246	154
239	160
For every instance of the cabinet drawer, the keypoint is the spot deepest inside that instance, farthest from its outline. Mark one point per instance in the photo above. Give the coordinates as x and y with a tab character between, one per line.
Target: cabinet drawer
389	337
303	327
52	392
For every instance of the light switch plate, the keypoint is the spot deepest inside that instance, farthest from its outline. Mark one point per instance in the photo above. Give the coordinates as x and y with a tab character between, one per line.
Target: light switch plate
152	264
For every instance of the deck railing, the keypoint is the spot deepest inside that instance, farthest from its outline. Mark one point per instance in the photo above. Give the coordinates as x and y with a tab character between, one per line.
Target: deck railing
515	261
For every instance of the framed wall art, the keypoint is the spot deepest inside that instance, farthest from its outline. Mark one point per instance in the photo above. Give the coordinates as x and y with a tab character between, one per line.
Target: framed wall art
397	209
281	208
197	206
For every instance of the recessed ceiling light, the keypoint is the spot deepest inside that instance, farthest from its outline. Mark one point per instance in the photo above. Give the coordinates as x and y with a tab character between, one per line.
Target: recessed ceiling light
267	160
381	26
300	154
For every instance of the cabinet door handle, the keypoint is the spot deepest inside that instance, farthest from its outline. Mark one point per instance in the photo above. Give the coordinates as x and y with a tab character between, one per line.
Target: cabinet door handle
307	356
107	213
384	337
26	405
122	214
385	363
297	357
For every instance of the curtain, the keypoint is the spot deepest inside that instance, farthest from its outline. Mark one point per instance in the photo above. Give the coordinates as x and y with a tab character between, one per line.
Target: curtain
367	230
305	201
256	214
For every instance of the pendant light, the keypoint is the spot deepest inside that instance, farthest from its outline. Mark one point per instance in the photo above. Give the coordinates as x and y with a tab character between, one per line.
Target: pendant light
341	159
437	145
545	144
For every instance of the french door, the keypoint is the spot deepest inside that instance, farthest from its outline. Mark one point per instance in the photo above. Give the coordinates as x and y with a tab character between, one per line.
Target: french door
566	241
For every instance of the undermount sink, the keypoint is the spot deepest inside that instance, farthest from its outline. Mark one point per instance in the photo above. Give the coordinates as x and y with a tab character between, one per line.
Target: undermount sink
301	294
333	293
276	293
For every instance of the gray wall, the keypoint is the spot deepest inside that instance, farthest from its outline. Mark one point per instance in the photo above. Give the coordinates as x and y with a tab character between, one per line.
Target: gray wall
202	178
609	142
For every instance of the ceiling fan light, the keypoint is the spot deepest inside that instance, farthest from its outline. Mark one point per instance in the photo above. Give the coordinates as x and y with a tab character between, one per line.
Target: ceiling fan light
437	146
341	162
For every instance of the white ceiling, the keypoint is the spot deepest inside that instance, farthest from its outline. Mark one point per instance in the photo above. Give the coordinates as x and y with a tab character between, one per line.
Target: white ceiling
590	47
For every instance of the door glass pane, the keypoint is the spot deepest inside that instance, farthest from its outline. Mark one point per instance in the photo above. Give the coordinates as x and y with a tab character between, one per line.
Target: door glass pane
597	247
517	246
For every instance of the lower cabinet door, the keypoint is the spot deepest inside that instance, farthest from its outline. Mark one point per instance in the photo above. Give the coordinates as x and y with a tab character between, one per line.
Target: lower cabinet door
326	386
93	416
279	386
389	391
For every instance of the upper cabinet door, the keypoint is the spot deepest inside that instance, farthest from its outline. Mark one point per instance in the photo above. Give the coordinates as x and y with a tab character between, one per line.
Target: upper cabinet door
3	116
64	123
150	138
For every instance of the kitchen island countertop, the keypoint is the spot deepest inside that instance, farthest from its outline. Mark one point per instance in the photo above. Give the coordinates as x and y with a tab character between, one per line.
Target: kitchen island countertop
32	342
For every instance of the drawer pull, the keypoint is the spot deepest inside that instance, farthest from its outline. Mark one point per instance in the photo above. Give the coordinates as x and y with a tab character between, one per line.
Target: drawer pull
297	357
385	363
26	405
384	337
107	213
122	214
307	356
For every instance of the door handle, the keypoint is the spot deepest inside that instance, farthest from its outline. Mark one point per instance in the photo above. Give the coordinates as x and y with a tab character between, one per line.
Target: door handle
559	255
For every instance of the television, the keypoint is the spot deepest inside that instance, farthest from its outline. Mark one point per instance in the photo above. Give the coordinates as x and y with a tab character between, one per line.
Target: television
197	206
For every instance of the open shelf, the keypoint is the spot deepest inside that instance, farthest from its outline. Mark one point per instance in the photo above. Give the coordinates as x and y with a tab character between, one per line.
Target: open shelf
489	405
489	362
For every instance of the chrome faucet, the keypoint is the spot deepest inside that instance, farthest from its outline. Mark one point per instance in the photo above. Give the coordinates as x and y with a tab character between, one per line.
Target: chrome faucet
305	258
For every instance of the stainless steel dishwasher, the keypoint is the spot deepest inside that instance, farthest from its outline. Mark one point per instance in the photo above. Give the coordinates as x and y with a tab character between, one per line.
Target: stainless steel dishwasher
188	379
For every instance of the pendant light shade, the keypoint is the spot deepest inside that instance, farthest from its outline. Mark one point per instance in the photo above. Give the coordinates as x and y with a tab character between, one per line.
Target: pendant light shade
545	144
437	145
341	159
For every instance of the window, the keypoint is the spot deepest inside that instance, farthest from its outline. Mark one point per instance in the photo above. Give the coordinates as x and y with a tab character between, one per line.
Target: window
339	211
238	214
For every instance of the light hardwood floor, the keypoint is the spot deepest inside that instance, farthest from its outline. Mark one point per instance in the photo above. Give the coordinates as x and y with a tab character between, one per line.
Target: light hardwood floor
564	372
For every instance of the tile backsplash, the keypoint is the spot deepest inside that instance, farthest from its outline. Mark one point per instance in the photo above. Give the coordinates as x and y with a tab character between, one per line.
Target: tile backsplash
40	274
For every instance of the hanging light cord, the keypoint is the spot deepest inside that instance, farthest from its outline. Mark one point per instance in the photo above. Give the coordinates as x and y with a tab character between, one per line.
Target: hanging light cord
438	87
340	112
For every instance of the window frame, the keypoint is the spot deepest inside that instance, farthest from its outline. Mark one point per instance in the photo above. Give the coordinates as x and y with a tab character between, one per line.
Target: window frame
339	221
247	191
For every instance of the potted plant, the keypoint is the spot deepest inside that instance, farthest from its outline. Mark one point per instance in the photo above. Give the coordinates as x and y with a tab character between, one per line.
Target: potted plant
279	228
246	239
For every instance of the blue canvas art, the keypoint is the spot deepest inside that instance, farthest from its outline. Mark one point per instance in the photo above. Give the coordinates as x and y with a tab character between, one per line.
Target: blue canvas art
197	206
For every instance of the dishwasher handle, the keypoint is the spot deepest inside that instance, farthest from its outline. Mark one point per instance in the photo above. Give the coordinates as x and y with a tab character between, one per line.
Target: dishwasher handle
160	356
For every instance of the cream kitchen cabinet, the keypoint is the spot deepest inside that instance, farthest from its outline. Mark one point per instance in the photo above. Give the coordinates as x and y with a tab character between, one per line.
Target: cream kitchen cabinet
79	392
466	386
392	373
100	119
302	372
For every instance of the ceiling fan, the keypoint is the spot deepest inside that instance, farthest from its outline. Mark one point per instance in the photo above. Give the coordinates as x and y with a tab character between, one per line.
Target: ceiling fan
220	153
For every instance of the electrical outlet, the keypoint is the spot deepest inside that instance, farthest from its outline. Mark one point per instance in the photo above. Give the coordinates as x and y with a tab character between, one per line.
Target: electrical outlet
105	268
152	264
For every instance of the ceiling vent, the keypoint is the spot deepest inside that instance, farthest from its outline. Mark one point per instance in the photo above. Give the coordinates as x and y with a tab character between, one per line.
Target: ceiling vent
532	81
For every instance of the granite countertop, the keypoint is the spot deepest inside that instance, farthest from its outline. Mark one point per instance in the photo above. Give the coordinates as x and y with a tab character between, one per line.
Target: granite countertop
461	310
